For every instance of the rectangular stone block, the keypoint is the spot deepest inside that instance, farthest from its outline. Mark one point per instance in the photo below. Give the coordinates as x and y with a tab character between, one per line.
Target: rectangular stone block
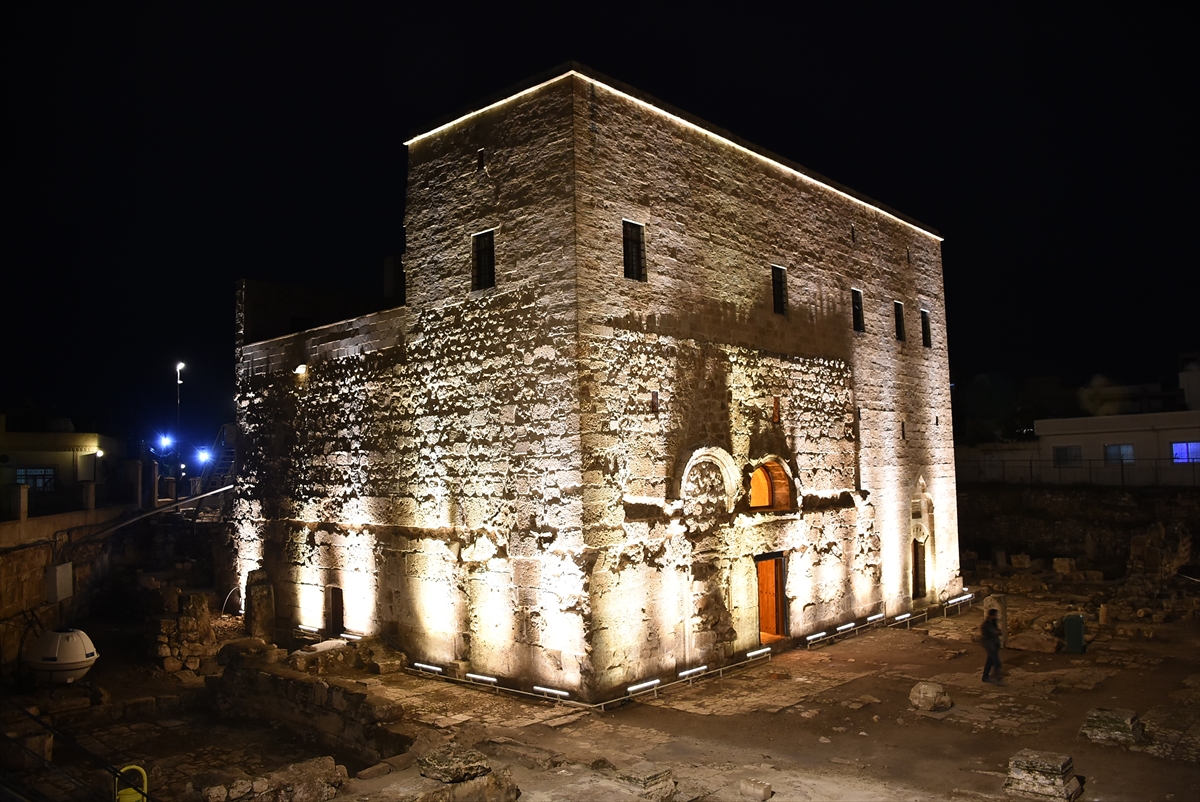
756	789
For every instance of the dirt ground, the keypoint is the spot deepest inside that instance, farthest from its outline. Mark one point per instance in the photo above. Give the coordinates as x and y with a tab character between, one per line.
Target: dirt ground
830	723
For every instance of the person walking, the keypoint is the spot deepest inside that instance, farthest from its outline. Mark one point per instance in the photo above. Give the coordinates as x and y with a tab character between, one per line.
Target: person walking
989	636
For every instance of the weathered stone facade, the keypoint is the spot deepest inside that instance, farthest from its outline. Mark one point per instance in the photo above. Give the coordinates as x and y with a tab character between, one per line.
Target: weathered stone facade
551	478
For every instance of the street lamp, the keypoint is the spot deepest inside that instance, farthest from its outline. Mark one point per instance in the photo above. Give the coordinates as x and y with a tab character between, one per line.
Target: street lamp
178	464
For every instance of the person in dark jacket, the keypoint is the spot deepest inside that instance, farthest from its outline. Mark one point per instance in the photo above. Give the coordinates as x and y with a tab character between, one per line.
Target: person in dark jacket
989	636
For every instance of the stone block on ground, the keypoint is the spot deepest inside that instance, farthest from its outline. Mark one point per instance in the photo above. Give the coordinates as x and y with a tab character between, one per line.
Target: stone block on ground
1112	725
1042	775
756	789
1020	561
929	696
453	764
1031	641
386	666
1064	565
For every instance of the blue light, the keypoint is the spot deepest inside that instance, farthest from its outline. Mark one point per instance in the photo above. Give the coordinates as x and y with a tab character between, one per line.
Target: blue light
202	456
164	441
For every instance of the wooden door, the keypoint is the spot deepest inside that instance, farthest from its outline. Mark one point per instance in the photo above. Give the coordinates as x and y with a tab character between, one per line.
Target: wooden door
770	597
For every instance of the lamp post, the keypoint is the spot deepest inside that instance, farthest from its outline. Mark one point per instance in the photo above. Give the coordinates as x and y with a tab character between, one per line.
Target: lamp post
178	464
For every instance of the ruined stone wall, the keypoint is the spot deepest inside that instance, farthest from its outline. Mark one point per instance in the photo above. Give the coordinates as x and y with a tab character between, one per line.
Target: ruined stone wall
1095	526
427	462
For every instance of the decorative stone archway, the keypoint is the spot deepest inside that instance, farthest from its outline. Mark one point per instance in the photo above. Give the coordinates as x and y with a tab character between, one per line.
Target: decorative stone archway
921	530
721	465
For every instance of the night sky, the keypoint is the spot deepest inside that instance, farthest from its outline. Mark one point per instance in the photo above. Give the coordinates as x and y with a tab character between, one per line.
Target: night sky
158	153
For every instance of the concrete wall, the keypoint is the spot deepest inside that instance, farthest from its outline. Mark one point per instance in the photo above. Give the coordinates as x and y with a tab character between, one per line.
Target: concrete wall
1151	435
482	473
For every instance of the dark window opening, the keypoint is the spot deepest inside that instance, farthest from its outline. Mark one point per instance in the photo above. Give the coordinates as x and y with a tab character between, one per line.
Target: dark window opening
1118	453
779	289
634	235
335	612
856	304
918	570
483	262
899	308
1065	456
926	333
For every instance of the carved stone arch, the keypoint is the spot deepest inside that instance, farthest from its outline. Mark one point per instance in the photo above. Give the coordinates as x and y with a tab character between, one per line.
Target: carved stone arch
921	511
923	538
772	486
725	465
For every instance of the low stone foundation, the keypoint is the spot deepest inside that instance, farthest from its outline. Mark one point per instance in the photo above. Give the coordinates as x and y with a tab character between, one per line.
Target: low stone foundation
341	712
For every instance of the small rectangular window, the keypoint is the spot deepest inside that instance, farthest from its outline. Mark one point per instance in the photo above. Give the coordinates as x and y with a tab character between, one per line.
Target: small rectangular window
926	333
779	289
856	304
1185	452
899	308
1066	456
1118	453
634	235
483	261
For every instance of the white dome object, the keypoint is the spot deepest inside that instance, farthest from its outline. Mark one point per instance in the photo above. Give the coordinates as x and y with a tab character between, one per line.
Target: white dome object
61	655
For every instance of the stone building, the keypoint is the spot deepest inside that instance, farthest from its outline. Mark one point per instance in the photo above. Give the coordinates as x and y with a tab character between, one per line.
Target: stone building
656	397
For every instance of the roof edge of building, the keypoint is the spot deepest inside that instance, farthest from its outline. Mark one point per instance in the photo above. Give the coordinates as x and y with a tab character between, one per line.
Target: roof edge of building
573	67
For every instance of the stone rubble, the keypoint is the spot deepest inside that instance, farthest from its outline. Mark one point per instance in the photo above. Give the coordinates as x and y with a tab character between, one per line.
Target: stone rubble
930	696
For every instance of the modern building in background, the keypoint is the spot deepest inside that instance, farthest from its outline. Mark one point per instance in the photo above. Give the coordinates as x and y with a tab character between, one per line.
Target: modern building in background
58	466
654	398
1160	448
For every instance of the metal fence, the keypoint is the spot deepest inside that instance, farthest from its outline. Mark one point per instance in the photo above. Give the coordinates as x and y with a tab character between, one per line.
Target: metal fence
1125	473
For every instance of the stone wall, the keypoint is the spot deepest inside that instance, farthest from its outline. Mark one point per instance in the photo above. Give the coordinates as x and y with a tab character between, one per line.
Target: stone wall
548	478
341	712
430	469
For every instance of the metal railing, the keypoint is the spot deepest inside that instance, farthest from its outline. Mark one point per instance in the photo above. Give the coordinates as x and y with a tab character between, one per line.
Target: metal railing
1147	472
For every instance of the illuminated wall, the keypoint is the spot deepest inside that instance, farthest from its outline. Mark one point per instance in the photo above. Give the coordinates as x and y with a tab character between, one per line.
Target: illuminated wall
549	479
